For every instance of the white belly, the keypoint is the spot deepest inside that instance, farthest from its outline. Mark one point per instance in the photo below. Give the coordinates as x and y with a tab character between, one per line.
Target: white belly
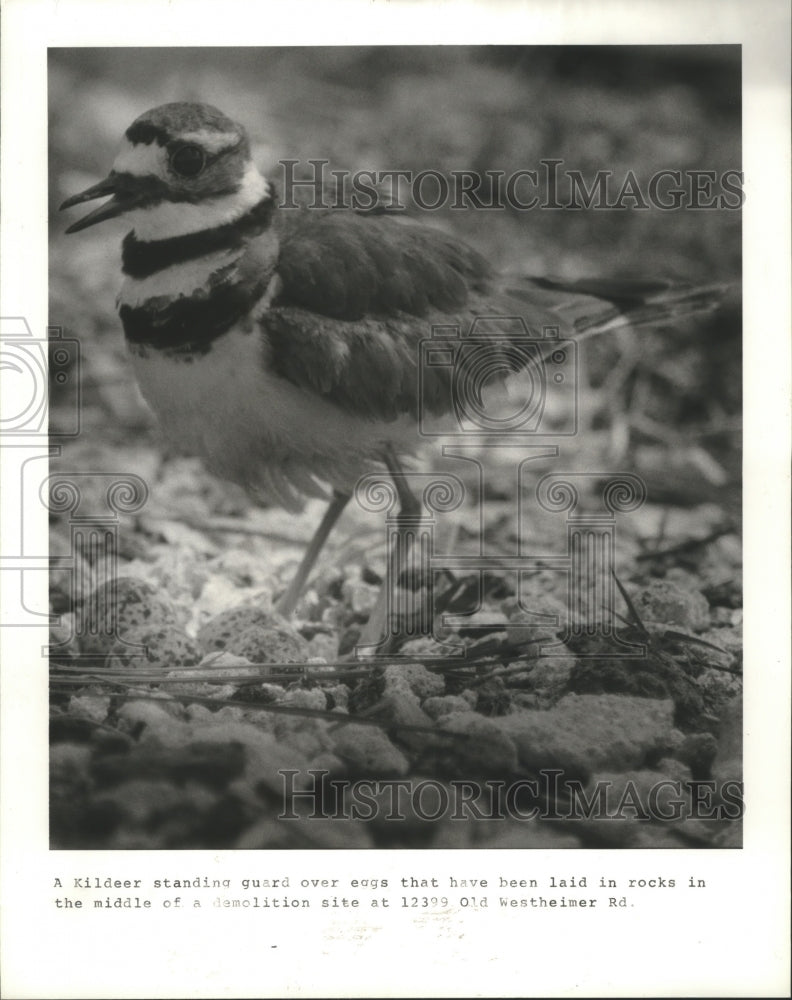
255	428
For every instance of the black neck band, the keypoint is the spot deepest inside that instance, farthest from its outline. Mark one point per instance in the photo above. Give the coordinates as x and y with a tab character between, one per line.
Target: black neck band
142	258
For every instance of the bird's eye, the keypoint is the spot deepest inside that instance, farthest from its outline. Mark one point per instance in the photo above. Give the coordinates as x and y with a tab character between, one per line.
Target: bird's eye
188	161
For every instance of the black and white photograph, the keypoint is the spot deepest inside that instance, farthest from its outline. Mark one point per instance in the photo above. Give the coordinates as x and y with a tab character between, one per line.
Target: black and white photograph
408	511
387	483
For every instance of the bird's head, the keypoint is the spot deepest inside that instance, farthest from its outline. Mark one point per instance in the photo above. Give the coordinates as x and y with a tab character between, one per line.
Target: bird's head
182	168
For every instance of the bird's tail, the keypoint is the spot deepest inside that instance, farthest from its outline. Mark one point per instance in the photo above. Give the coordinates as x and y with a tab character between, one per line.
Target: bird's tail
592	305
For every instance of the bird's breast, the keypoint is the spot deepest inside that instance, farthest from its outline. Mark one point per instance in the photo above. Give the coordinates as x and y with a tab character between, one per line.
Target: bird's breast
251	426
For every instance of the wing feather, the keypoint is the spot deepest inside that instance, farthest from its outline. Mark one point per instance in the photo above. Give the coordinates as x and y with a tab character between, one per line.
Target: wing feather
346	266
361	292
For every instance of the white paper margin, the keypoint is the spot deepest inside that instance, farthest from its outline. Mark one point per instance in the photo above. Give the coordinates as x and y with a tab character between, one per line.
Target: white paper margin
735	943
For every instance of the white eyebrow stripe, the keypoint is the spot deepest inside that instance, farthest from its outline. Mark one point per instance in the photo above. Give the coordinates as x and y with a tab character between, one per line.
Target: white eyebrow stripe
212	142
141	160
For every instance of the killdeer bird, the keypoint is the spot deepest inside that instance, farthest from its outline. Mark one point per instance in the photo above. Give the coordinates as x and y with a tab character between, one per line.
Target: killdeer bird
282	346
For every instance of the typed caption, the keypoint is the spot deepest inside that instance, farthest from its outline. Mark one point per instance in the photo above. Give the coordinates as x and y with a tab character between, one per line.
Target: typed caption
442	893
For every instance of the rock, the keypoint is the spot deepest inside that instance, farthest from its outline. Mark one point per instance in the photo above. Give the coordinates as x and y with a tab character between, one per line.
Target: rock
69	763
243	569
550	676
318	834
418	648
698	751
153	720
361	597
338	698
729	639
668	603
90	706
269	694
536	628
63	641
67	587
494	698
324	761
323	644
304	736
645	795
527	699
730	835
368	752
481	749
412	677
643	837
719	688
728	763
447	704
197	713
403	709
530	835
410	816
264	756
586	732
656	677
470	696
313	699
156	803
674	769
72	808
204	764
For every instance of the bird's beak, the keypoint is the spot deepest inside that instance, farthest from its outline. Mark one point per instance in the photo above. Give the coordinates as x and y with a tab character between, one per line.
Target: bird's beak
123	200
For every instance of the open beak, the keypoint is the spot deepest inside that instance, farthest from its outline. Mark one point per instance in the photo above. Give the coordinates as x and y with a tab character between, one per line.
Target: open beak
121	202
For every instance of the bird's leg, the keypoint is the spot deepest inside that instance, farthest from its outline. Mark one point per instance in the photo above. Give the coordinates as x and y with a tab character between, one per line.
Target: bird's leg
409	508
288	601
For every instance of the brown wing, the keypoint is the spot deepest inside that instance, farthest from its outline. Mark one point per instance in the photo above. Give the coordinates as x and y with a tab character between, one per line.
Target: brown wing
360	293
348	266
